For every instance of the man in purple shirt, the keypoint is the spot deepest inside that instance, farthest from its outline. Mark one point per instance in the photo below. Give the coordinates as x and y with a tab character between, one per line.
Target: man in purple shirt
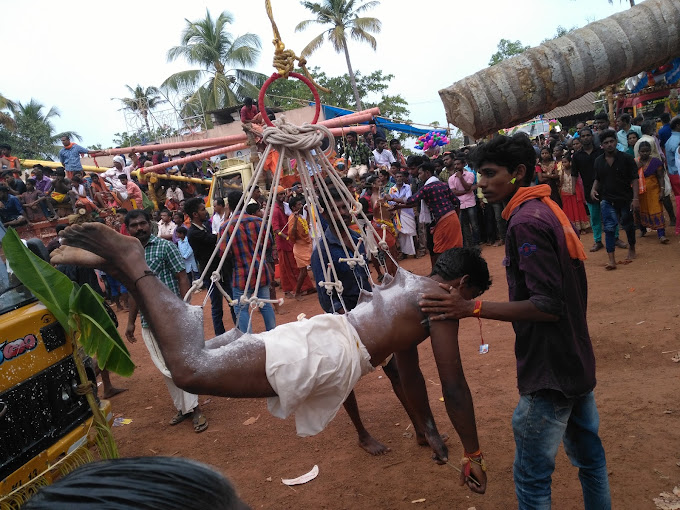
439	209
547	308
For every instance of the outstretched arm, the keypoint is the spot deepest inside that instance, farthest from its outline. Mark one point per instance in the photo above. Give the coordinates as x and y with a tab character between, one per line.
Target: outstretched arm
457	397
235	370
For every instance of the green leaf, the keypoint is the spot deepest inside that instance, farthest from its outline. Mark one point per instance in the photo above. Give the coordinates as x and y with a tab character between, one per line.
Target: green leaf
50	286
99	335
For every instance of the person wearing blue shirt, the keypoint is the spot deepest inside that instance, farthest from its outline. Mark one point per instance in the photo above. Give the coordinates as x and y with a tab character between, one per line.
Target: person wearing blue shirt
11	212
625	127
665	130
353	280
70	156
671	150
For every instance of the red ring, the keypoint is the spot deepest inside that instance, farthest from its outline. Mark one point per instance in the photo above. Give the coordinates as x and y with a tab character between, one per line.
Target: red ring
303	79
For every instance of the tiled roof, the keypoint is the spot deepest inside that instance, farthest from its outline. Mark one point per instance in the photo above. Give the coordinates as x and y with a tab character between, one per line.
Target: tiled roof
583	104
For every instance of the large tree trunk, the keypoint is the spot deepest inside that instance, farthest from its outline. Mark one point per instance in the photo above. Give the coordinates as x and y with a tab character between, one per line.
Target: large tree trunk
353	80
563	69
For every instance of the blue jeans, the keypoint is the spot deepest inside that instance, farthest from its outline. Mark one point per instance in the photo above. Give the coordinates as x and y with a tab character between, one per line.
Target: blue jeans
612	215
243	312
541	421
596	222
216	305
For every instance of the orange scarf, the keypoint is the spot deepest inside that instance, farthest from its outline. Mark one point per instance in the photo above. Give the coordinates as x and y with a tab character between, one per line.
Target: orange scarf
542	192
69	146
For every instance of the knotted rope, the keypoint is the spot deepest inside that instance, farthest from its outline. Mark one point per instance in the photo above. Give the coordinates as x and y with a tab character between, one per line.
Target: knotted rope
304	144
284	60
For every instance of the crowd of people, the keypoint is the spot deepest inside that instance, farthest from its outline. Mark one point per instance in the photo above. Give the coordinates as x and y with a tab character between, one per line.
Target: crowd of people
530	195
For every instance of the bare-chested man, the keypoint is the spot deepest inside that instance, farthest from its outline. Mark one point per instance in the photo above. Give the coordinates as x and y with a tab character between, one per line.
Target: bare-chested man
307	367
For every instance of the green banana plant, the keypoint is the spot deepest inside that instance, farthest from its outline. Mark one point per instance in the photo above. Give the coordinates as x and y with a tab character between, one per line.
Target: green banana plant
81	312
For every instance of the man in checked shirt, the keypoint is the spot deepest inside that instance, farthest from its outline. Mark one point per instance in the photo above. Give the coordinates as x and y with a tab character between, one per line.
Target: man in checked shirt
438	208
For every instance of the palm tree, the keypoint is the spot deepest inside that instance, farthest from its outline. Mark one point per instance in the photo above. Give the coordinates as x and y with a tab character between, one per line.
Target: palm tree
35	132
6	119
143	100
222	79
341	16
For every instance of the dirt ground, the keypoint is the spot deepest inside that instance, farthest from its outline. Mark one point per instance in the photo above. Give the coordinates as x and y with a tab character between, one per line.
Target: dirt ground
634	314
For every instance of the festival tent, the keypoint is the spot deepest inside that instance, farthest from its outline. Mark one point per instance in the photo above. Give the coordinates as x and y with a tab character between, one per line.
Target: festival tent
331	112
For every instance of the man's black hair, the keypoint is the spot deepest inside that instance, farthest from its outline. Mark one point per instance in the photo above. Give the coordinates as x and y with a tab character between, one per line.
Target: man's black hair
252	208
123	176
218	201
460	156
585	129
181	230
426	166
347	181
297	198
233	198
136	213
665	117
248	101
414	161
353	133
508	152
394	141
602	116
121	210
171	483
608	133
5	146
675	122
379	139
457	262
60	172
625	117
191	206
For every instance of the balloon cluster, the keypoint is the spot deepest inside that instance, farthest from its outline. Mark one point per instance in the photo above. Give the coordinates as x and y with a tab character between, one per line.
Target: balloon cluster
431	140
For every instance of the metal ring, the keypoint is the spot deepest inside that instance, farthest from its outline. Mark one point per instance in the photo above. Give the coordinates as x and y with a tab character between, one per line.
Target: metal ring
303	79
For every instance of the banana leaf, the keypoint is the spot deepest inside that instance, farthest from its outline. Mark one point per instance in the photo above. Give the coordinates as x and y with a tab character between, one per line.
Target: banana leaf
98	334
50	286
78	309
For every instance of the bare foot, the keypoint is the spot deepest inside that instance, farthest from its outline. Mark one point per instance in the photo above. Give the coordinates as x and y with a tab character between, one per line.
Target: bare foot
631	254
372	445
298	297
610	267
112	392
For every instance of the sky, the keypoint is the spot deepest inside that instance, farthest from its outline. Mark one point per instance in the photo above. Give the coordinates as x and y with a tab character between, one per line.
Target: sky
79	55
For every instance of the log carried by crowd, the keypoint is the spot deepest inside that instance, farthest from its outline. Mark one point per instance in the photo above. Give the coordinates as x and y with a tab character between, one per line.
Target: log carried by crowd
565	68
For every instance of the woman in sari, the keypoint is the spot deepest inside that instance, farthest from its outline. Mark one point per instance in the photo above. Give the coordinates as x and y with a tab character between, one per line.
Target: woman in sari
548	173
382	222
651	182
298	234
573	196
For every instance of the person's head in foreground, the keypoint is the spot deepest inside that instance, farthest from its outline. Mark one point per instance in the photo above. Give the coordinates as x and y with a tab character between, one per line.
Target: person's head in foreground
139	483
505	163
464	269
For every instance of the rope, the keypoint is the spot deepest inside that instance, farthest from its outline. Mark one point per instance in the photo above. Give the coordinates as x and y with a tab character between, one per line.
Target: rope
304	144
284	60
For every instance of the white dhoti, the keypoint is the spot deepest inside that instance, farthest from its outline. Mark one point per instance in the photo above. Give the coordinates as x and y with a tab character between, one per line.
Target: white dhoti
406	230
313	365
185	402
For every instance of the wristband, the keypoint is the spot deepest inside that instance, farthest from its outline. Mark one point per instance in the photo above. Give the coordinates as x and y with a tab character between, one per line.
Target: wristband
146	273
478	309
